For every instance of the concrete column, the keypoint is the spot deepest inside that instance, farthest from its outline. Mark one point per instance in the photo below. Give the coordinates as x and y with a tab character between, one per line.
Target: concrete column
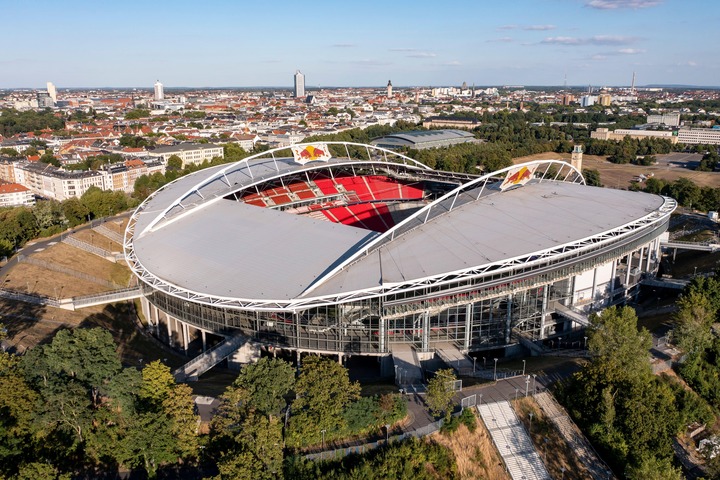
508	322
468	326
629	267
612	276
642	257
546	294
381	335
185	335
426	332
340	358
647	262
204	340
594	288
169	321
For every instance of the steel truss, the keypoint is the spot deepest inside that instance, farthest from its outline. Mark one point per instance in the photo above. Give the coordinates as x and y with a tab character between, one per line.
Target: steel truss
474	276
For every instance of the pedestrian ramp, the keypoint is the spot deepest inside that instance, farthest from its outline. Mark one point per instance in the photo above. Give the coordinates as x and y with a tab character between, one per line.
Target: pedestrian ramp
455	358
408	370
576	317
512	442
202	363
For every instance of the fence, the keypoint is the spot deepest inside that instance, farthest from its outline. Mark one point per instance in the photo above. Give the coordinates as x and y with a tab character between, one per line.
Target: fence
111	234
70	240
68	271
360	449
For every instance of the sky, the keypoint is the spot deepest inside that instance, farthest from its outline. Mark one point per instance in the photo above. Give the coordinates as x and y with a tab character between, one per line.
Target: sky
241	43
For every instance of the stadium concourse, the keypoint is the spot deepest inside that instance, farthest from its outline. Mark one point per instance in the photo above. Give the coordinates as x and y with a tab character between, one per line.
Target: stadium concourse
349	249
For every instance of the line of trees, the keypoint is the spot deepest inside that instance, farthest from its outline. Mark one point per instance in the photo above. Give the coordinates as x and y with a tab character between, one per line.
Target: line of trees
70	408
685	191
629	414
19	225
13	122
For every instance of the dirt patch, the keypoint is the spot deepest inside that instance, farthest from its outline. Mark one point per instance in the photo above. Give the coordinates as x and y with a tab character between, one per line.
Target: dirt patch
24	277
475	453
561	461
621	176
71	257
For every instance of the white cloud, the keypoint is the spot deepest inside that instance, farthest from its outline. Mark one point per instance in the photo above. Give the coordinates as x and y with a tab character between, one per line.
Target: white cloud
618	4
630	51
595	40
527	27
344	45
452	63
500	40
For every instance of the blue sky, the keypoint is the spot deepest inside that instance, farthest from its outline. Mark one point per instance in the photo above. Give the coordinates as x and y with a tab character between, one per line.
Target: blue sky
334	43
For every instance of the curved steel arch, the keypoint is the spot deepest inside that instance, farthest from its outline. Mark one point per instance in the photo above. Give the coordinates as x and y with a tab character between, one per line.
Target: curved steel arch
270	154
400	228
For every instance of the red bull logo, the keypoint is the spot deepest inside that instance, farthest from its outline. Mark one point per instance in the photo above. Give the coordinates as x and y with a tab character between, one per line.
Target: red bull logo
311	153
519	176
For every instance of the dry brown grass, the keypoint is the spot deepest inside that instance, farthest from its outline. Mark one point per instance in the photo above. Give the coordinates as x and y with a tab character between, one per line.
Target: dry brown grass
101	241
475	453
554	451
71	257
24	277
117	225
620	176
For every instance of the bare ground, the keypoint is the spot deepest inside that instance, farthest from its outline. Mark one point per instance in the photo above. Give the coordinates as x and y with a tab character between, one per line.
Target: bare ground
475	453
547	439
620	176
24	277
71	257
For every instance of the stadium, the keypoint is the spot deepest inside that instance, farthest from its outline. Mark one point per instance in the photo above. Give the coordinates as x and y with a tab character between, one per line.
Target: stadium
350	249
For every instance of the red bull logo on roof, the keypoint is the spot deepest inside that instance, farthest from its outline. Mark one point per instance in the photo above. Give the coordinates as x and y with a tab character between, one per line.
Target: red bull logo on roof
518	176
318	152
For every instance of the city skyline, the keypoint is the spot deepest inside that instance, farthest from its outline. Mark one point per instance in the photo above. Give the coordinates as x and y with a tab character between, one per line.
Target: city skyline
598	42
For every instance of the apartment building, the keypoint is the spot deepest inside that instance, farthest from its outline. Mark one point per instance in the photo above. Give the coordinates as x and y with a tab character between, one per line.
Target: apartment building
194	153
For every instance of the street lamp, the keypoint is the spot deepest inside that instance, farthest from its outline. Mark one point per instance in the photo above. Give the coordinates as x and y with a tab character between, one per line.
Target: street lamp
531	417
585	342
387	433
323	438
474	358
480	398
516	392
484	362
523	367
559	342
562	471
495	371
527	384
534	391
396	374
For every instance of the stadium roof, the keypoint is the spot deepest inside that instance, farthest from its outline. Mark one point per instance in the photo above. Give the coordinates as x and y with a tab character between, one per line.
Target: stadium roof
421	139
232	250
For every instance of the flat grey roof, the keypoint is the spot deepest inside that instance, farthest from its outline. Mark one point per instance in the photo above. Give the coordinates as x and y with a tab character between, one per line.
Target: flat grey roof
231	249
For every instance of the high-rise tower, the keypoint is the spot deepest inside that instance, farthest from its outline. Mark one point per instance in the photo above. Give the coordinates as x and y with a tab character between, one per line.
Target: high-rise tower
52	91
299	84
576	158
159	91
389	89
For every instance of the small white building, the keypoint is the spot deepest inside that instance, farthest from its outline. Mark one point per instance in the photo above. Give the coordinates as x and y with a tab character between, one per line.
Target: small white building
15	195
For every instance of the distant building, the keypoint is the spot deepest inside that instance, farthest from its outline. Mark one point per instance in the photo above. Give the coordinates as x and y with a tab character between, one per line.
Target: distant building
299	84
605	99
194	153
422	139
576	158
15	195
567	99
389	89
52	91
699	136
159	91
44	100
671	119
55	183
588	100
450	122
618	135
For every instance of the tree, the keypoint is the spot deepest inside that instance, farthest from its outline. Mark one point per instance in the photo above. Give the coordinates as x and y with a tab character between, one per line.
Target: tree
257	452
157	383
267	382
174	163
655	468
323	390
10	152
694	318
619	350
74	211
592	177
50	158
440	392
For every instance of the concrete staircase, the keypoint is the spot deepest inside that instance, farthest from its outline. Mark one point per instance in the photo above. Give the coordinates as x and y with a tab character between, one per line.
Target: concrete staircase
201	364
408	370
